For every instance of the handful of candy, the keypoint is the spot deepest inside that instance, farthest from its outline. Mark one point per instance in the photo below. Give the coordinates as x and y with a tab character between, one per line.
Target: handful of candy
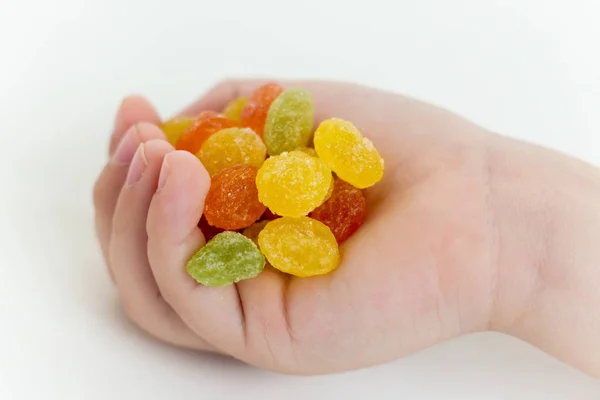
281	193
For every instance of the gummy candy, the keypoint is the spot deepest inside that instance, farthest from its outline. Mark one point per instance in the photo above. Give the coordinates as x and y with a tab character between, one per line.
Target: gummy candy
207	123
351	156
299	246
227	258
230	147
174	127
232	200
255	112
344	212
289	122
233	110
208	230
293	184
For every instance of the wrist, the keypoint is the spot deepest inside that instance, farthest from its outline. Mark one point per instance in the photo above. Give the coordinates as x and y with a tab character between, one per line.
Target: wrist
546	210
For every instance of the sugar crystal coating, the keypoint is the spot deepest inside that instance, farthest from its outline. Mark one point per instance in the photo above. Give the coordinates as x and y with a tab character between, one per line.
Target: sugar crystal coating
174	128
344	212
351	156
289	122
293	184
233	110
255	112
207	123
299	246
230	147
232	200
227	258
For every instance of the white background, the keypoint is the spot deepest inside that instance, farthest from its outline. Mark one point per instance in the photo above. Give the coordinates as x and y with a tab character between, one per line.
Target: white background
529	69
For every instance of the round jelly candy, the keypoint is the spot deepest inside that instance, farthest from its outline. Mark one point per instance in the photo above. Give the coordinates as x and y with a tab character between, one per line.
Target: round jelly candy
233	110
293	184
232	200
208	230
174	128
227	258
207	123
230	147
351	156
299	246
255	112
289	122
344	212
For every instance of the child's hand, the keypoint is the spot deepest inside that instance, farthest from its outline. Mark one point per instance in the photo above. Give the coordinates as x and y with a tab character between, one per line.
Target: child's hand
467	231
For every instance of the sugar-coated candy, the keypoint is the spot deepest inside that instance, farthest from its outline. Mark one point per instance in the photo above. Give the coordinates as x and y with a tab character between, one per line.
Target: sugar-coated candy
232	200
289	121
230	147
293	184
174	127
227	258
299	246
208	230
206	124
350	155
344	211
255	112
233	110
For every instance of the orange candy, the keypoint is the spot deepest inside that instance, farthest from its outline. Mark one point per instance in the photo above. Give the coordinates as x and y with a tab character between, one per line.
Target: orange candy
207	123
232	200
255	112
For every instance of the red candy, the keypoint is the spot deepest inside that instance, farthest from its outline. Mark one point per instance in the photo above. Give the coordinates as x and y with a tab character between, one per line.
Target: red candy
208	231
269	215
254	114
232	200
207	123
344	212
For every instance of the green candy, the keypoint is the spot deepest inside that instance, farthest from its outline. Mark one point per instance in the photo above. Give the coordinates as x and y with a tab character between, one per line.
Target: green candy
289	123
227	258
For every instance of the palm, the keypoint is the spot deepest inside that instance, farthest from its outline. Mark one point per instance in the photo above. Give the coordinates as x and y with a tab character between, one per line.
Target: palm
401	271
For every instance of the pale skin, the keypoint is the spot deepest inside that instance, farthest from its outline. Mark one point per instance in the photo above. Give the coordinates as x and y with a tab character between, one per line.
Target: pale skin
468	231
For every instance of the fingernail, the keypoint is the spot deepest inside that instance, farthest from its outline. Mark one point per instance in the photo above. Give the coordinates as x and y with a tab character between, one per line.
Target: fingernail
137	167
164	173
127	147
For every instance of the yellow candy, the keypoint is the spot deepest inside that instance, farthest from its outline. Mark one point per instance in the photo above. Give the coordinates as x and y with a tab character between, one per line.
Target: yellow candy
293	184
174	127
233	110
299	246
230	147
351	156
